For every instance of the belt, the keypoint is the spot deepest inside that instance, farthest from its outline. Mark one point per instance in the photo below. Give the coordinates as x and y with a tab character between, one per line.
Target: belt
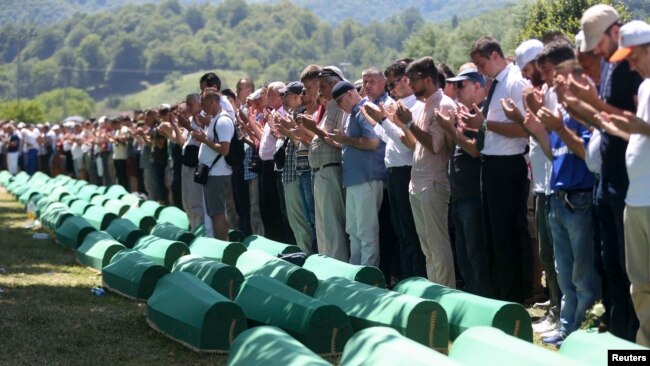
500	157
568	192
395	168
326	166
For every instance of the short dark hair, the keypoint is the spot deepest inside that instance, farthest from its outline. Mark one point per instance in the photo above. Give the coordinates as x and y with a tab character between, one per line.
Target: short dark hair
211	80
556	52
424	66
444	72
210	93
398	68
484	47
553	36
229	93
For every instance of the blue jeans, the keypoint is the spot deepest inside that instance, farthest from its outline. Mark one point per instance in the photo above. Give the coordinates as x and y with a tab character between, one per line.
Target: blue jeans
307	195
471	251
32	160
572	236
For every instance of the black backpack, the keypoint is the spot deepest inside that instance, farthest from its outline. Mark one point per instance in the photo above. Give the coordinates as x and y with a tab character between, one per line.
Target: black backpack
235	157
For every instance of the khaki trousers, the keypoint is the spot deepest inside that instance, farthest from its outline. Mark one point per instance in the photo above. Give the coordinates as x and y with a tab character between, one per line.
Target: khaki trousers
637	260
329	206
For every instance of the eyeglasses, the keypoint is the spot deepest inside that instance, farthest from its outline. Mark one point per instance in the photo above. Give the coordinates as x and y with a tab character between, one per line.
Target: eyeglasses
413	79
459	84
339	100
392	85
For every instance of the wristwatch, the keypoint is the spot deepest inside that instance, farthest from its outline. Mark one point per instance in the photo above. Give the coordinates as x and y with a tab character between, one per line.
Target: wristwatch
410	124
381	120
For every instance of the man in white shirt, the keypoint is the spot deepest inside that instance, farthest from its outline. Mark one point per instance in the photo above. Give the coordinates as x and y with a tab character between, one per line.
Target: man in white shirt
215	146
192	192
504	172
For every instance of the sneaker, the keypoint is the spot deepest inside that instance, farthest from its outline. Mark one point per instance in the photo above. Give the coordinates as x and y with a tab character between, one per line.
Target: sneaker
542	305
551	333
555	340
547	325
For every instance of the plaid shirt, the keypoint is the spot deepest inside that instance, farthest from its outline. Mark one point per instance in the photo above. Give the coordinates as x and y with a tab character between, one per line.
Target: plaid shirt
248	155
289	173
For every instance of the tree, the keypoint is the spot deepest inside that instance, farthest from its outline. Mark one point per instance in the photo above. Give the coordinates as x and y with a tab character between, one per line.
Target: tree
454	21
58	102
126	68
231	12
23	110
546	16
194	18
92	53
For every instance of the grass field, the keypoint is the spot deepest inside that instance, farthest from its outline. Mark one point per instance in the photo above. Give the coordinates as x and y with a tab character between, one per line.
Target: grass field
48	315
166	92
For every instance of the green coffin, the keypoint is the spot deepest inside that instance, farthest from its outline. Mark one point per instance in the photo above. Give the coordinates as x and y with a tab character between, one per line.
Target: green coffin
489	346
42	205
116	206
199	230
76	186
325	267
98	254
187	310
35	198
58	193
151	208
125	232
383	346
87	192
131	200
162	251
323	328
55	214
256	262
140	218
25	196
423	321
68	199
225	279
236	236
80	206
132	274
466	310
19	189
73	232
99	217
169	231
221	251
99	200
271	346
174	215
115	191
590	347
272	247
5	176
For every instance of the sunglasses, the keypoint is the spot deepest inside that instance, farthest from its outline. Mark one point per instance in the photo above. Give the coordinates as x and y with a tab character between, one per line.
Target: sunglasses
392	85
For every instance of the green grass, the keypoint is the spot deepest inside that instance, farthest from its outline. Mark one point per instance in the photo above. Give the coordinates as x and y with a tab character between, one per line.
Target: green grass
48	315
166	92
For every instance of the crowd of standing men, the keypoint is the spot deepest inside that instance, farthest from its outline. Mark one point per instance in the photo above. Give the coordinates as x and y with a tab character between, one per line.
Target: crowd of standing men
416	169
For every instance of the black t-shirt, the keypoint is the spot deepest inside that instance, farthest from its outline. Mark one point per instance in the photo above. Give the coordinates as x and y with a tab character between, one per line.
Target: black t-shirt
464	173
613	176
15	141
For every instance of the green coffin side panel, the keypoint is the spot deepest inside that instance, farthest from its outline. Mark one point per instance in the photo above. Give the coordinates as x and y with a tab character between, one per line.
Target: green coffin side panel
73	232
590	347
383	346
236	236
271	346
25	196
162	251
116	206
99	217
192	313
256	262
490	346
69	199
115	191
80	206
151	208
88	191
323	328
130	199
423	321
466	310
272	247
58	193
225	279
174	215
221	251
99	200
169	231
125	232
55	215
98	254
132	274
325	267
199	230
42	205
140	218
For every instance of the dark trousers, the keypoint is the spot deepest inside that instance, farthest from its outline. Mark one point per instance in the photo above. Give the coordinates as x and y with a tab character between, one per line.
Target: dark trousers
411	259
159	178
139	173
546	253
120	172
388	245
270	203
622	320
240	195
32	161
504	196
472	253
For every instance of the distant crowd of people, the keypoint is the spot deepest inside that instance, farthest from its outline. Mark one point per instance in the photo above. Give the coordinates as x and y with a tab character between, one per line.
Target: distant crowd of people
481	179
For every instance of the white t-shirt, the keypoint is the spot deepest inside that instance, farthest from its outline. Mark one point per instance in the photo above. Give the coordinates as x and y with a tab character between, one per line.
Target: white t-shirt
267	144
511	85
225	130
119	148
397	154
637	155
